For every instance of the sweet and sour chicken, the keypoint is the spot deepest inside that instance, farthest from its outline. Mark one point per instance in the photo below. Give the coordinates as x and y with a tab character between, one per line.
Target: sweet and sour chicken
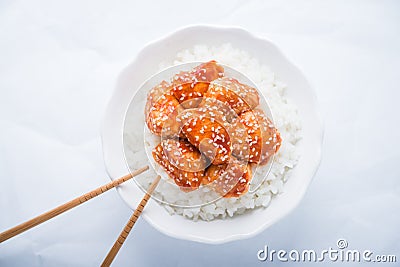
182	161
190	86
161	109
211	130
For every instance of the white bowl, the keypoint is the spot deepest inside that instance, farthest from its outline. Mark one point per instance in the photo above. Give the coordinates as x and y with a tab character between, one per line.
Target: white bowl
299	91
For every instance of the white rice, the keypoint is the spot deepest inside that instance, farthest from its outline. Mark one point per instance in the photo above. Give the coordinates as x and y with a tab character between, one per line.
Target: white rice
285	119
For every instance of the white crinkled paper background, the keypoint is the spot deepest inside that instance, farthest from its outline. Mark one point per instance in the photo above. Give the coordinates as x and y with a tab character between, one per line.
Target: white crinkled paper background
58	64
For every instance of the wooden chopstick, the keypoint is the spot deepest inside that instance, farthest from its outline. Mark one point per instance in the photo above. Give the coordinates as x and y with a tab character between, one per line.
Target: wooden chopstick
67	206
128	227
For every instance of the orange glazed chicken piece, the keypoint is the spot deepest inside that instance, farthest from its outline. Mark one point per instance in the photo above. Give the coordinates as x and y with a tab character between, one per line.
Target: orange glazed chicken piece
189	85
182	161
261	139
240	97
207	131
161	110
155	93
229	180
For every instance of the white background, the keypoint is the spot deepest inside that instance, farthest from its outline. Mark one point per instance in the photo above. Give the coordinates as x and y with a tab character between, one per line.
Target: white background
58	64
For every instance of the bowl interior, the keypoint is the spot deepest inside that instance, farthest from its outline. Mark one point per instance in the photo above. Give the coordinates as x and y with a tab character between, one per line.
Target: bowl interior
299	91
